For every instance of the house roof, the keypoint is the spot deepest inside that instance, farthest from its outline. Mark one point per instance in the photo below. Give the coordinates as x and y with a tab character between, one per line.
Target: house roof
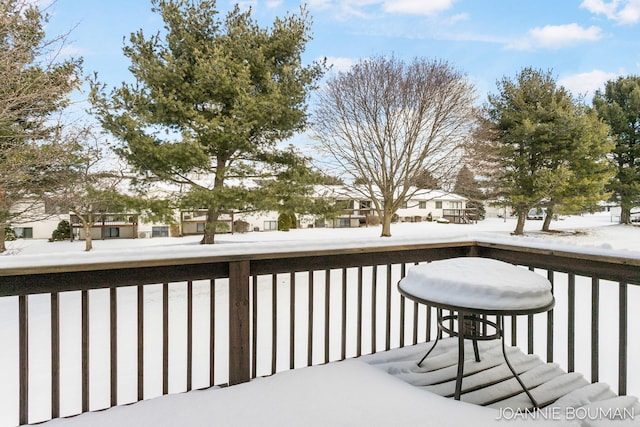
350	192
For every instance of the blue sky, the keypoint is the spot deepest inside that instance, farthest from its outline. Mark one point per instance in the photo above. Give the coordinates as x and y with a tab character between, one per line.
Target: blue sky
584	42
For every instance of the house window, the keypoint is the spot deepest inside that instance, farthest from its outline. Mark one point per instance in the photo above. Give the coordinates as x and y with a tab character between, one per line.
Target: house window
270	225
438	205
422	204
404	205
200	227
344	223
160	231
24	232
112	232
455	205
52	207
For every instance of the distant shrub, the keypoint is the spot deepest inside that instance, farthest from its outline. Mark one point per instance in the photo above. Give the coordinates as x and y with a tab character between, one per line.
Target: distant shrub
63	232
222	227
284	222
294	221
373	220
9	234
241	226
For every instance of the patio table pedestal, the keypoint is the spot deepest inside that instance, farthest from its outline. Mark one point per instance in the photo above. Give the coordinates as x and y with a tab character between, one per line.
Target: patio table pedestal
472	288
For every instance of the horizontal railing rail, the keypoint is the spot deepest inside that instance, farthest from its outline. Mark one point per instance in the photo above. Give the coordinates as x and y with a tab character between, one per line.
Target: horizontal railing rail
212	320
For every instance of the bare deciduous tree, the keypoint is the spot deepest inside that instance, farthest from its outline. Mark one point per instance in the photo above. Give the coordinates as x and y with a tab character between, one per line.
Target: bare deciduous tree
388	122
98	185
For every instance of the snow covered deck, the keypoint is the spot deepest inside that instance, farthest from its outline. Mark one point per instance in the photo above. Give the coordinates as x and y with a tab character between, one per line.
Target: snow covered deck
105	330
388	389
347	393
489	383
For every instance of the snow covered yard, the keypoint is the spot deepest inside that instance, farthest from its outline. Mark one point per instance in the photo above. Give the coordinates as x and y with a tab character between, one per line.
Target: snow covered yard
295	390
596	230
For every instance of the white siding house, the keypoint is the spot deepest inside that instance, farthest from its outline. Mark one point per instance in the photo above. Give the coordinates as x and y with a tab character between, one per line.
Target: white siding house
427	205
357	211
39	221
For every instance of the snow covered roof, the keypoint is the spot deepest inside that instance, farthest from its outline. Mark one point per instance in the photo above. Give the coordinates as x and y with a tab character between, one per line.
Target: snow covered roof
437	195
355	193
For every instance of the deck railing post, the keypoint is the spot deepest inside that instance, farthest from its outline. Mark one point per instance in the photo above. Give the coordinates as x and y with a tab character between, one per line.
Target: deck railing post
239	323
23	326
622	343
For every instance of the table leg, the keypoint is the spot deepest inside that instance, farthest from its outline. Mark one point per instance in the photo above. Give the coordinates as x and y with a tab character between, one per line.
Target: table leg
430	350
513	371
438	335
476	353
474	332
460	373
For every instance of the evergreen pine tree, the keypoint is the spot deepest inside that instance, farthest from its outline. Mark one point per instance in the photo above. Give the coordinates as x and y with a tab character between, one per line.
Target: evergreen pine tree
619	106
212	99
546	148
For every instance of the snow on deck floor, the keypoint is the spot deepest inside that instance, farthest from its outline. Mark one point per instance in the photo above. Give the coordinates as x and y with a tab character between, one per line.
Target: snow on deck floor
386	389
565	397
348	393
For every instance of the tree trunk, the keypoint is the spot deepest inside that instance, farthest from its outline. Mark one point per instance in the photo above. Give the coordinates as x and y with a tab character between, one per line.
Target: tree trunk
522	217
625	214
547	218
3	245
209	235
88	243
386	224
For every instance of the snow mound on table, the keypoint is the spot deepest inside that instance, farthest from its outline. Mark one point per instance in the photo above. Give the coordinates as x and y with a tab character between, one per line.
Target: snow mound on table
478	283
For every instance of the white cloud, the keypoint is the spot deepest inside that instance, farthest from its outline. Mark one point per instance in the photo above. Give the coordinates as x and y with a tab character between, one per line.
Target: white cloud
417	7
71	51
364	8
457	18
40	4
630	14
621	11
600	6
247	4
340	64
344	9
274	3
556	37
587	83
319	4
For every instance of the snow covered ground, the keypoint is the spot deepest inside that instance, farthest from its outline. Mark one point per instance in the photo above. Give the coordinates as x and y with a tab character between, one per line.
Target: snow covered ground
592	233
597	230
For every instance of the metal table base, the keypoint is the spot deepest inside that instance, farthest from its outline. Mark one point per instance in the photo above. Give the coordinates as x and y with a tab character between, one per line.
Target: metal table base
475	328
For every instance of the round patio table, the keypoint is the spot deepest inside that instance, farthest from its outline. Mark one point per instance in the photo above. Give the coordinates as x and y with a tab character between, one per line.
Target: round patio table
472	288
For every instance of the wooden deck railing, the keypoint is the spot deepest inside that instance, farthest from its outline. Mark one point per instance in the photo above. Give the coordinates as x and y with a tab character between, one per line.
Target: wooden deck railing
197	322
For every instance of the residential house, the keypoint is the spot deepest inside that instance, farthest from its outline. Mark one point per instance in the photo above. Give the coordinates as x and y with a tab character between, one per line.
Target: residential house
357	211
38	220
427	205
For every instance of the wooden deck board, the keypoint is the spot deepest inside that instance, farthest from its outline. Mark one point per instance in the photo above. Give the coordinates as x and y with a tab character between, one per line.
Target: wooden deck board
490	382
